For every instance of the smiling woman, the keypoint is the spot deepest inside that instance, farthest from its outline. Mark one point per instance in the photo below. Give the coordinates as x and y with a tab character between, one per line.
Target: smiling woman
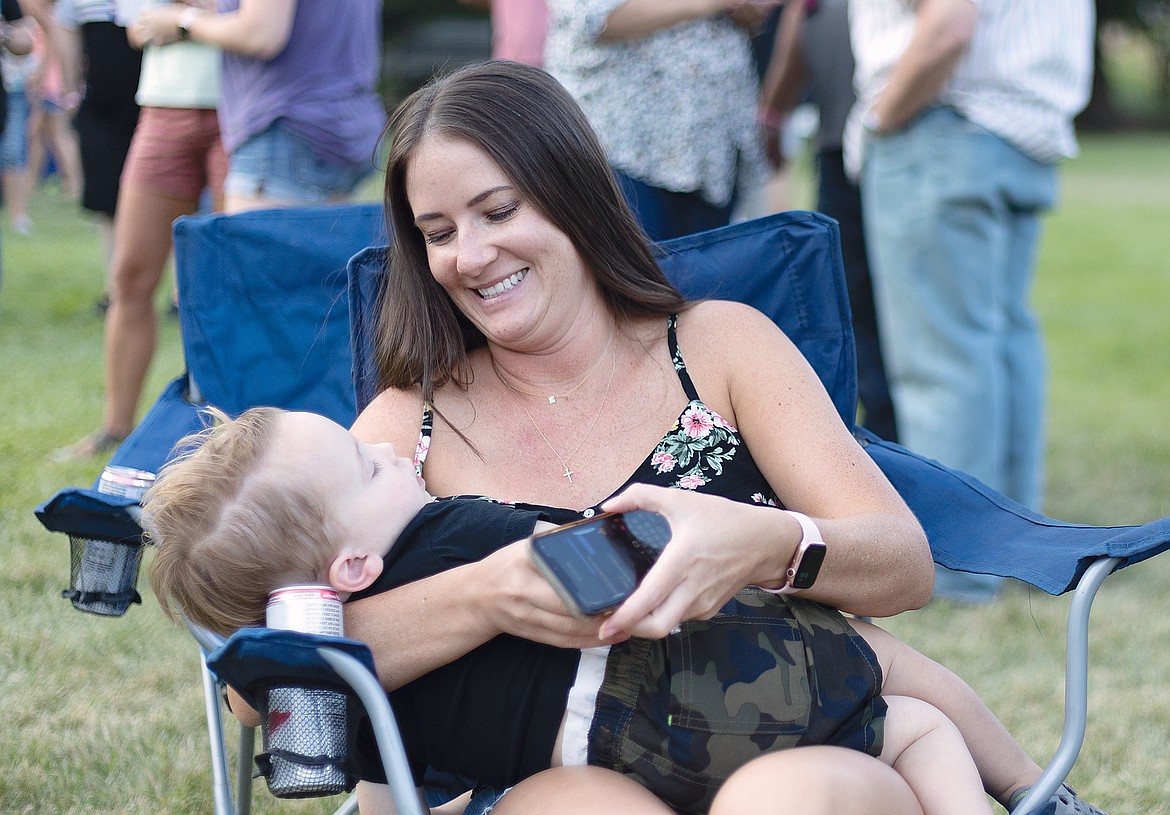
520	274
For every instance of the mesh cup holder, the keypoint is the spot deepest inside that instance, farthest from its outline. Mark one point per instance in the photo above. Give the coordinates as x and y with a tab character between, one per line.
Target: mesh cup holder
103	575
307	733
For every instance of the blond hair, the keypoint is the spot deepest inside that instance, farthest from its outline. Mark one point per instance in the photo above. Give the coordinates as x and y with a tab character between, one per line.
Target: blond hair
228	529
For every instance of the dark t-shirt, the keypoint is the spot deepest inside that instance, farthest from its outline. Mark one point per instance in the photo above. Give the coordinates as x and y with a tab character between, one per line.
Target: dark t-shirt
507	692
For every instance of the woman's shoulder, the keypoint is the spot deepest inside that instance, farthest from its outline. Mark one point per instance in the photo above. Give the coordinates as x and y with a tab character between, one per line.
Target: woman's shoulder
725	323
394	415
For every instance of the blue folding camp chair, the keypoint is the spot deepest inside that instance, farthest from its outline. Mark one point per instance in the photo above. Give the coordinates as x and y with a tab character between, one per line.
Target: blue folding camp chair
788	266
265	321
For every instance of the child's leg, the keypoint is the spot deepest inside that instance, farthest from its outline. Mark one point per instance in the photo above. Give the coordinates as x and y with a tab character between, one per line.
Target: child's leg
927	750
579	791
816	781
1003	765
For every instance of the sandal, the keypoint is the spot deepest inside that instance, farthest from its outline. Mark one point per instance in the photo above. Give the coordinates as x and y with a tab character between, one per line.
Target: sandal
97	443
1063	802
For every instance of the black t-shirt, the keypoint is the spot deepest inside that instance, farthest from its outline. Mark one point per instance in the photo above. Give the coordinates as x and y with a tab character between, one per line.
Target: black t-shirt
508	692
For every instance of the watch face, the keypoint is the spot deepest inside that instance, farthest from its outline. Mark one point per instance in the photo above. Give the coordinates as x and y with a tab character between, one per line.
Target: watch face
809	566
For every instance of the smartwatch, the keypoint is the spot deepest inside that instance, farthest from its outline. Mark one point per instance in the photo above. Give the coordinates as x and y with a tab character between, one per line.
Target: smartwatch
806	562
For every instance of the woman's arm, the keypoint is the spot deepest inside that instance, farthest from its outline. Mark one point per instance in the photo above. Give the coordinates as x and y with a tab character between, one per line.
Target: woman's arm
258	28
878	561
943	31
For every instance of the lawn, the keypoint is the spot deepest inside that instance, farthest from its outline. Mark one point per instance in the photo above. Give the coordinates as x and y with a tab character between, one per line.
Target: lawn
105	715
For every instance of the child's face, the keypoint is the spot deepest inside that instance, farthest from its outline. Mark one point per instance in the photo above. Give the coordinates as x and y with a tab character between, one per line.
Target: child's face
372	493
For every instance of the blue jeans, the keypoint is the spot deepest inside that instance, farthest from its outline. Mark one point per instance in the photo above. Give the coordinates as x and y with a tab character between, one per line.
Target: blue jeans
14	144
952	219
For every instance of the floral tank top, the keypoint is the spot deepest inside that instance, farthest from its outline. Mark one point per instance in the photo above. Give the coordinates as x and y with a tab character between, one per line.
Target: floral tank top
701	452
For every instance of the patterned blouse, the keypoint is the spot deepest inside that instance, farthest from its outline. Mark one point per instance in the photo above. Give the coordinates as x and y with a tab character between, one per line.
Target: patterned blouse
676	109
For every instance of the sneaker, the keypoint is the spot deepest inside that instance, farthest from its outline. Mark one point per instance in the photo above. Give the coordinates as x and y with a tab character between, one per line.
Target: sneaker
22	224
1063	802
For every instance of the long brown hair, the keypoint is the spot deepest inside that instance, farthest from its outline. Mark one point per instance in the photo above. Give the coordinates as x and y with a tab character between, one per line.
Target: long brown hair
538	135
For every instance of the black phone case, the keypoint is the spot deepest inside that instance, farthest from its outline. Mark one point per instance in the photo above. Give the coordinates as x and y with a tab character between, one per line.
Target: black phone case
623	547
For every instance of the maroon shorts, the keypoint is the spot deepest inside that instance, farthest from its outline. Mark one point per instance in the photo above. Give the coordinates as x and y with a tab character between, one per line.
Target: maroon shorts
176	153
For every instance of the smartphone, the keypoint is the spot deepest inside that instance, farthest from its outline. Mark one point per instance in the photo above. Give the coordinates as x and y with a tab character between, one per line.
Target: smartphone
595	564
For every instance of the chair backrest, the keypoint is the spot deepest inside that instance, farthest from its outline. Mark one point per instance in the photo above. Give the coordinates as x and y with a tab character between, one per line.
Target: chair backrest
798	281
265	320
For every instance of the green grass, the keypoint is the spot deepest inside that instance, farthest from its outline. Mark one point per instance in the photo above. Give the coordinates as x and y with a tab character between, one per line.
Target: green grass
105	715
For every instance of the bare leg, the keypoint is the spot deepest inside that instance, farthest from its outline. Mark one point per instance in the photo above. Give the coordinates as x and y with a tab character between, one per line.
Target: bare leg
580	791
1003	765
376	799
66	153
142	244
816	781
927	750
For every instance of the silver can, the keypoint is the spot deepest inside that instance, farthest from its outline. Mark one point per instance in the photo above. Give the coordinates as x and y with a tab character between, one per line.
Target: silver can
307	723
125	481
311	609
106	577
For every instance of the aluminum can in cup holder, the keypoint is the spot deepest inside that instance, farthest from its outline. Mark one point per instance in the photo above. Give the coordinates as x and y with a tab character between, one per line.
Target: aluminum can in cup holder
104	574
306	727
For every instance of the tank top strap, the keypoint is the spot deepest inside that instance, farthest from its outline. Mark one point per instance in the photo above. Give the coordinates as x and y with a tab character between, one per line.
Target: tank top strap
680	366
424	438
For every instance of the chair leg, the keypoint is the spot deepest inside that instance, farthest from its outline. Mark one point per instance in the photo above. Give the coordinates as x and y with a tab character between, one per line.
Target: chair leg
221	785
1076	687
349	807
244	770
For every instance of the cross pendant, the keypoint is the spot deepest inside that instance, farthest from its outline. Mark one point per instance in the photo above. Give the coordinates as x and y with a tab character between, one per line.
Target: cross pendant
568	473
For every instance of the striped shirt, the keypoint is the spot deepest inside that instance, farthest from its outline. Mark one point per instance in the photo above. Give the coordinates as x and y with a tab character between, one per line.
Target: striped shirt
1026	73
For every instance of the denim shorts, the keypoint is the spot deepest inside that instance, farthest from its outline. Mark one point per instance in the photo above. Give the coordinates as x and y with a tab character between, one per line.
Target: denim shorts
279	164
767	673
14	147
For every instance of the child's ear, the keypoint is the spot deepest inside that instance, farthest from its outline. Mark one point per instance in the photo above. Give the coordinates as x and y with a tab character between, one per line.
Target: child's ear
354	571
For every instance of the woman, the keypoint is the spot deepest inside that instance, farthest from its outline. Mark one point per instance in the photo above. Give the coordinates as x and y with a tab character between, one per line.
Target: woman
527	310
671	90
175	157
298	108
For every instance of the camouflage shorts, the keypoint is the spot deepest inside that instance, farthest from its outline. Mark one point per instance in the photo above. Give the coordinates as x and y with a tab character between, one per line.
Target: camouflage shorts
767	673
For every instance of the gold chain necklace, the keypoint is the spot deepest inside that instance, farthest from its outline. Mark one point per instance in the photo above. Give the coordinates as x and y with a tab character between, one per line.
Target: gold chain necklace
552	399
564	460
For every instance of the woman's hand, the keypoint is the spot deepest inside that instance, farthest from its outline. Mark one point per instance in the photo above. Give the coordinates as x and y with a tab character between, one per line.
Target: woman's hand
717	547
522	603
158	25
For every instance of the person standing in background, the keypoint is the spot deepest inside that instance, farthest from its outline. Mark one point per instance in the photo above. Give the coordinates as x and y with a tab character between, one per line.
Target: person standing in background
174	157
14	39
19	70
51	107
964	112
97	58
671	89
812	52
299	113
